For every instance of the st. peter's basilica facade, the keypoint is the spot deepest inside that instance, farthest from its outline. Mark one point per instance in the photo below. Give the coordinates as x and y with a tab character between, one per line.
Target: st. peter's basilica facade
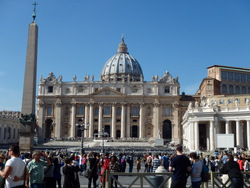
121	103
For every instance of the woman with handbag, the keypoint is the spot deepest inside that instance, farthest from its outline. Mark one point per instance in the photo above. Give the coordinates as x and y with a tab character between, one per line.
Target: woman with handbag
93	163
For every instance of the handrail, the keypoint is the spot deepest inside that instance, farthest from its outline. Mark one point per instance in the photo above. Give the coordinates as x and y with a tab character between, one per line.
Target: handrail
216	180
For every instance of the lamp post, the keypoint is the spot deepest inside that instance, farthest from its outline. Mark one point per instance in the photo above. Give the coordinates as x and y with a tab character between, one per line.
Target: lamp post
82	126
103	134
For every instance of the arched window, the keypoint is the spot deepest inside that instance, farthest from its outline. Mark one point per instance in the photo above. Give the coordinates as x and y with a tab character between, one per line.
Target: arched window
244	90
224	89
231	90
237	90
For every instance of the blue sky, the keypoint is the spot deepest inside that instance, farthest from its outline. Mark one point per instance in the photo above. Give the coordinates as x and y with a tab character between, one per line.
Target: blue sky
77	37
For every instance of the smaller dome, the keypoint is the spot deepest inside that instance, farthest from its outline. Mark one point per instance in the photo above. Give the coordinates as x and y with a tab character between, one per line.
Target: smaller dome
122	66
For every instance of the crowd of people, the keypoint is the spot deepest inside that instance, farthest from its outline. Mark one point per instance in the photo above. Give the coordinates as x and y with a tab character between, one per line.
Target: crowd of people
44	169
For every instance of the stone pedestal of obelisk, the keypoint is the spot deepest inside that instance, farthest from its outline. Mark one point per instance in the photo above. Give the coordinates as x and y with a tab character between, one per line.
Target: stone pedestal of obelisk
27	119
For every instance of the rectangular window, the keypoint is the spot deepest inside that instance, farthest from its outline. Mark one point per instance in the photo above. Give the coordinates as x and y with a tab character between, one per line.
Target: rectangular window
248	78
230	76
49	111
229	101
167	90
236	77
221	101
96	111
167	111
224	75
107	120
243	78
50	89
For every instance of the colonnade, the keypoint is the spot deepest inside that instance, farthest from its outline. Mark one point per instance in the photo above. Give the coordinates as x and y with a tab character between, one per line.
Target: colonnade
124	125
213	128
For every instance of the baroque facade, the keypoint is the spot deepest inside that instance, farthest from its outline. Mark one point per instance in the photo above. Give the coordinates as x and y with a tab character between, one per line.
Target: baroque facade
9	127
224	109
121	102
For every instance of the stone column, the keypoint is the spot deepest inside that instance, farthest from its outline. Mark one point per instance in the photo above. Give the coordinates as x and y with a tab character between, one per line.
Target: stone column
100	119
41	127
196	135
191	136
248	134
86	120
211	133
58	120
113	128
128	128
227	127
141	122
73	121
238	133
91	118
123	121
156	119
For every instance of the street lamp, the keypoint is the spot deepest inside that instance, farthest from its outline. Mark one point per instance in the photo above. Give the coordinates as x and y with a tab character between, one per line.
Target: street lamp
103	134
82	128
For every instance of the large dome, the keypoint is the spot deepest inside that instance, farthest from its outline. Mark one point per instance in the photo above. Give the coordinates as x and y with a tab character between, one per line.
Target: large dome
122	66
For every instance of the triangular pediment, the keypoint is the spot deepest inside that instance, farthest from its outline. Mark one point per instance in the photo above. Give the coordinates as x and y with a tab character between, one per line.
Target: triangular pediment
107	92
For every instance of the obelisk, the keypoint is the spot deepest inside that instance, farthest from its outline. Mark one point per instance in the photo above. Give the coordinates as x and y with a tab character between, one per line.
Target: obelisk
27	119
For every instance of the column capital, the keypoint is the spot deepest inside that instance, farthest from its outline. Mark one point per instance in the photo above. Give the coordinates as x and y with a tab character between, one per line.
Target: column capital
100	103
41	104
59	104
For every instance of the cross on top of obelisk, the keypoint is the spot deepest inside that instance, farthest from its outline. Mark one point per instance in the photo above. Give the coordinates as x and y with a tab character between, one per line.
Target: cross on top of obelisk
34	11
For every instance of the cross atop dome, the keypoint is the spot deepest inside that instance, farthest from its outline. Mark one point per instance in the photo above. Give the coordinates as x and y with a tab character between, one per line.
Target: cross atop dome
122	47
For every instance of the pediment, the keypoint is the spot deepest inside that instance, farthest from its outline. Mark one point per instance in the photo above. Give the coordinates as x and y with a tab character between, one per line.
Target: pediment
107	92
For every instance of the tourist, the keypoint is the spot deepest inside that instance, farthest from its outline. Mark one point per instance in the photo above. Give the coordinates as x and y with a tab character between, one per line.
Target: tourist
57	171
130	161
15	171
2	166
36	169
241	163
232	168
83	163
123	162
181	166
93	166
114	166
165	161
49	181
195	170
149	162
156	162
138	164
105	167
70	171
212	164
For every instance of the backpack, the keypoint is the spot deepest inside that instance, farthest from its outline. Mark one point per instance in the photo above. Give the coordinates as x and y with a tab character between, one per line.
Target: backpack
205	176
149	160
123	161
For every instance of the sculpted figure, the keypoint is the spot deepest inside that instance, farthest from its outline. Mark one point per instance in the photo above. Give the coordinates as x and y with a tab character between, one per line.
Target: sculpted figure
196	104
60	78
92	78
247	102
190	106
74	78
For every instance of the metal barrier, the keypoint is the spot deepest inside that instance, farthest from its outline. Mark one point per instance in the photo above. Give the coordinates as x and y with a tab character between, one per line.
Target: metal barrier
144	178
